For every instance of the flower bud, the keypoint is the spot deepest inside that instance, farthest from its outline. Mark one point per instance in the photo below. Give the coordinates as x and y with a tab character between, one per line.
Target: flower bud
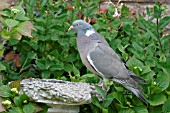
73	7
14	10
6	102
14	90
154	83
25	101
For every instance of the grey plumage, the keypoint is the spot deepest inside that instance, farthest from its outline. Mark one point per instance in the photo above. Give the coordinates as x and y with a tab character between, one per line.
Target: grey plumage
100	58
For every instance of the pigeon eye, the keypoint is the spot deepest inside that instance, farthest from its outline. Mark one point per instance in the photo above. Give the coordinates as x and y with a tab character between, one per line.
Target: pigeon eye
78	24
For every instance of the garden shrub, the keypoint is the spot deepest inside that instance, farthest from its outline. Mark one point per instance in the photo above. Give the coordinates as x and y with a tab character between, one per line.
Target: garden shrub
35	42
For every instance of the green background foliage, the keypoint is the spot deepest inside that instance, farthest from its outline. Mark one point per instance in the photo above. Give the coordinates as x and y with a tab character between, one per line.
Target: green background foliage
50	51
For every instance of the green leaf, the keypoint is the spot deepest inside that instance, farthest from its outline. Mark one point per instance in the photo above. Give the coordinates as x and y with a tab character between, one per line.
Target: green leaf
20	15
116	24
2	67
61	17
152	34
44	3
108	100
15	110
1	84
162	80
100	91
146	69
148	11
5	91
40	64
134	62
6	13
15	84
70	58
166	37
140	109
164	22
57	66
76	71
115	44
1	45
32	55
129	110
124	10
17	36
24	97
104	110
55	53
125	56
155	89
14	39
11	23
156	109
21	10
17	101
157	11
157	99
127	20
68	67
162	58
121	48
166	106
5	34
111	9
28	108
45	74
88	76
119	97
96	102
25	28
137	47
1	54
151	62
127	28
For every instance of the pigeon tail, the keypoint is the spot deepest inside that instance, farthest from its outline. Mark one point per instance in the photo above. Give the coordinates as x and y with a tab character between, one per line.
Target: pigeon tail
138	94
136	78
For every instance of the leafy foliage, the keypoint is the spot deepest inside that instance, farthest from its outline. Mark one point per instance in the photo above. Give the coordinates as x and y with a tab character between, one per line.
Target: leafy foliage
15	103
50	50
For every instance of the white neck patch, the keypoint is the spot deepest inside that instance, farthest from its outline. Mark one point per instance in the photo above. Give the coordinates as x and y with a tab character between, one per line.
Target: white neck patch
89	32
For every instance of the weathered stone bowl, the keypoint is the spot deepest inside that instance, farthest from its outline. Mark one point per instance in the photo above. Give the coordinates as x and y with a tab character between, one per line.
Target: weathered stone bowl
60	96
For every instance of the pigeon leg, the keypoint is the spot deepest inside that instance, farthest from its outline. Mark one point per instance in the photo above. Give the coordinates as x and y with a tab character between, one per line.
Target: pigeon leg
102	85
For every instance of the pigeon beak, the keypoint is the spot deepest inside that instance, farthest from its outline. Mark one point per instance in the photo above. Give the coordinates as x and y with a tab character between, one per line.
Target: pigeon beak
71	28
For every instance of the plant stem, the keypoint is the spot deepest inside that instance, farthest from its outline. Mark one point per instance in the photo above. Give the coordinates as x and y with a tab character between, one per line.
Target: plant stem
159	41
23	67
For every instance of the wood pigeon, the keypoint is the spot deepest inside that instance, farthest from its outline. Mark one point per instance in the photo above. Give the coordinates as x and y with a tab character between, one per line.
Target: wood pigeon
101	59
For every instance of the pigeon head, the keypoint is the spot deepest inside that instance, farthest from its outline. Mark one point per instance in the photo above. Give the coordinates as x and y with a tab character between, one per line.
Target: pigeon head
82	27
